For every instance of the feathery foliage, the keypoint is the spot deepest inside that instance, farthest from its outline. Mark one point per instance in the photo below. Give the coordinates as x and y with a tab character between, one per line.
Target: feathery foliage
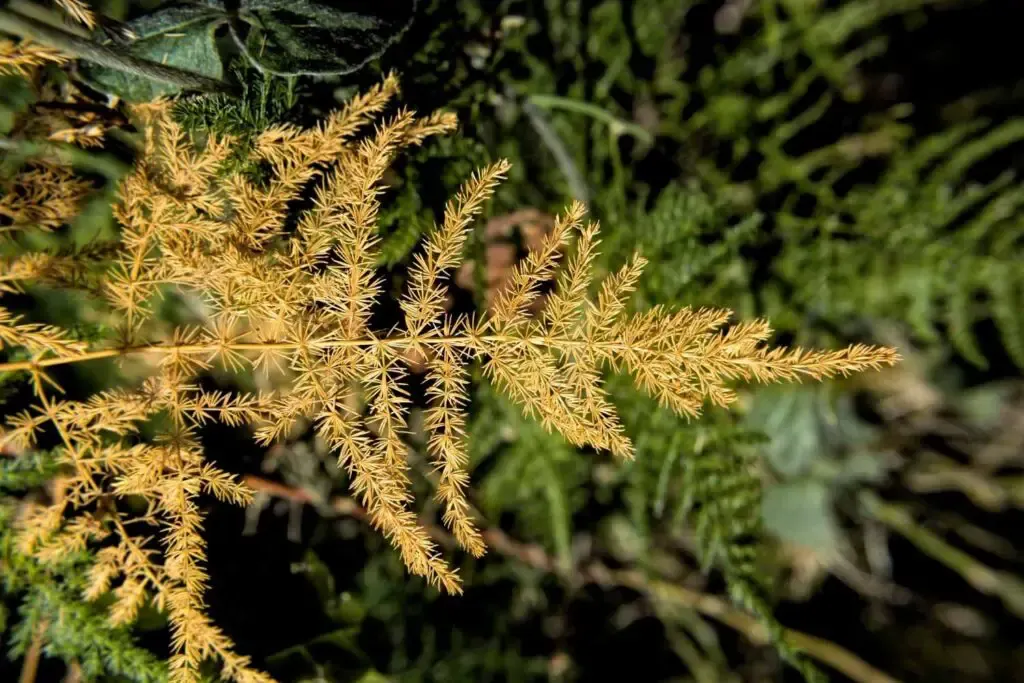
23	57
695	249
293	295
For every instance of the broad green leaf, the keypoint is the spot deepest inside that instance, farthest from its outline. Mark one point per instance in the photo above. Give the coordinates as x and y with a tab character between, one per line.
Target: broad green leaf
866	467
175	36
15	97
808	425
801	512
293	37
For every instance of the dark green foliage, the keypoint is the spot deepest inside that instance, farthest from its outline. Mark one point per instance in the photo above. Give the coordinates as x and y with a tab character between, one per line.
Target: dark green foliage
723	488
777	75
705	476
694	248
433	171
28	471
429	640
81	632
175	35
279	37
262	102
873	224
312	37
530	472
921	246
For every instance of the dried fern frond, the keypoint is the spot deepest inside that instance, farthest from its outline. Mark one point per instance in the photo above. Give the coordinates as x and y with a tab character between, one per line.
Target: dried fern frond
23	57
43	187
79	11
300	298
43	196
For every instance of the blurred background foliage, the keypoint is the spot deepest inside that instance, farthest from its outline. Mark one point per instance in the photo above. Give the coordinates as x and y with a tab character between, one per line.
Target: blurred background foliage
848	169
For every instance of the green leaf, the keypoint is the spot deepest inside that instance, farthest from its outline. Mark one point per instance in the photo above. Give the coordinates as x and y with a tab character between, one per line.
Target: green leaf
181	37
792	418
296	37
866	467
801	512
808	425
983	406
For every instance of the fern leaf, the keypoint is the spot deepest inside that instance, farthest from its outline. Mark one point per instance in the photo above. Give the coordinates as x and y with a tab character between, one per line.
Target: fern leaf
304	300
1007	298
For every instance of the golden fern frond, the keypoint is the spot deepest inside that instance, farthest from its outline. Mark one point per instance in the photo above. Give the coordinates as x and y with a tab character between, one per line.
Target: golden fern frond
37	338
424	300
522	288
43	196
23	57
79	11
60	270
297	297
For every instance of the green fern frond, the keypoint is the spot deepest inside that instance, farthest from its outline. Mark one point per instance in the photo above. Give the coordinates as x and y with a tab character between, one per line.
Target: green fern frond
706	477
529	471
264	101
723	490
28	471
919	246
695	249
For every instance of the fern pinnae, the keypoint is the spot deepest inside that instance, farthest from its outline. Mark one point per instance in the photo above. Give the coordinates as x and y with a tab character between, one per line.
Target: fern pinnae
1007	292
564	315
423	301
389	402
523	285
561	308
613	296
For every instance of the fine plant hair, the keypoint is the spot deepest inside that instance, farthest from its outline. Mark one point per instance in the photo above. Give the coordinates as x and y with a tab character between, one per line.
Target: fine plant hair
290	293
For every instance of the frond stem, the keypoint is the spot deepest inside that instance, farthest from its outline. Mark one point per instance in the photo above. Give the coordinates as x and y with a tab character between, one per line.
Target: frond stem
391	343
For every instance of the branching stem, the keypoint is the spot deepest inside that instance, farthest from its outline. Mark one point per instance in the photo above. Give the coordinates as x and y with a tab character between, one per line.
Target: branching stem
391	343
